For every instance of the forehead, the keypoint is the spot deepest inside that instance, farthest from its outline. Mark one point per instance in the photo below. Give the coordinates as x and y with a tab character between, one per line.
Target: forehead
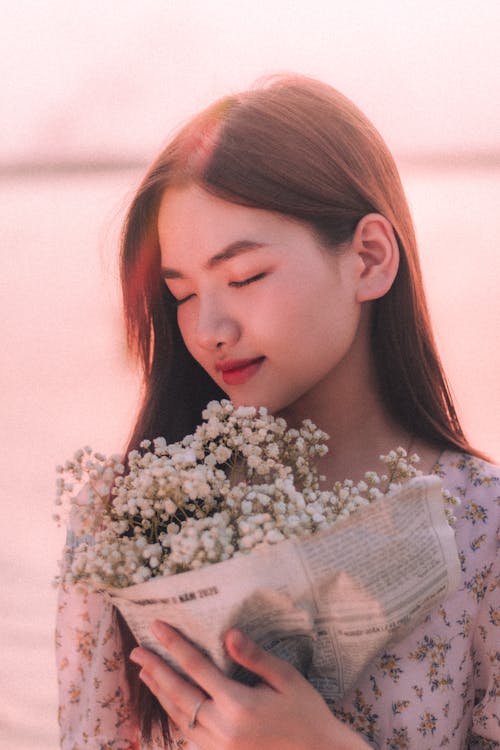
192	221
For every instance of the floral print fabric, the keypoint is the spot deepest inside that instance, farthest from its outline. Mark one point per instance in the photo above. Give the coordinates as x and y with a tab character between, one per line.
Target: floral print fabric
438	688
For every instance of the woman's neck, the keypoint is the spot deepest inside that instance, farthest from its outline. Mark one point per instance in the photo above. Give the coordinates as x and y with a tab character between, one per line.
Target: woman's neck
359	435
348	407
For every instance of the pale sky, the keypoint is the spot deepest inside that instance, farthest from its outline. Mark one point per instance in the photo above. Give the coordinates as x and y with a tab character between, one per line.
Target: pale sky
113	78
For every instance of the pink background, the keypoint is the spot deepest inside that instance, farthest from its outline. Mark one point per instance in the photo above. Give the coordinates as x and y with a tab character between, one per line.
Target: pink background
88	84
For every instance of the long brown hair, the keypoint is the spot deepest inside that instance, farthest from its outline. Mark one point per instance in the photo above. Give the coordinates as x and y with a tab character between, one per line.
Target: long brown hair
298	147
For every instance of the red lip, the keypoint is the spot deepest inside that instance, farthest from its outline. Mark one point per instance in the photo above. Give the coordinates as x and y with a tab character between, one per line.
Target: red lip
235	364
237	371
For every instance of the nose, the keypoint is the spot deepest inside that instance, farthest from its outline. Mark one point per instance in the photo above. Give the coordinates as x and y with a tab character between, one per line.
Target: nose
216	326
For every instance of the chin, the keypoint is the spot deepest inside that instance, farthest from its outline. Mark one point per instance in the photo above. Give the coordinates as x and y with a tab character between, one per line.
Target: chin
275	400
273	406
249	401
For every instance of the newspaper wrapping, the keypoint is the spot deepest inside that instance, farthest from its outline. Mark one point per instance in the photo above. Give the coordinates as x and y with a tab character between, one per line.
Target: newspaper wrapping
327	603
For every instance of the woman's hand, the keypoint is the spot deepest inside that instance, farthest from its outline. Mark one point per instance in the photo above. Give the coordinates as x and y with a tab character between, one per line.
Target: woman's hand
284	712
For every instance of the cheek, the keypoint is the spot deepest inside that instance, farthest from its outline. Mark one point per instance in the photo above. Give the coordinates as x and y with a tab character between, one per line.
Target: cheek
187	328
325	322
294	310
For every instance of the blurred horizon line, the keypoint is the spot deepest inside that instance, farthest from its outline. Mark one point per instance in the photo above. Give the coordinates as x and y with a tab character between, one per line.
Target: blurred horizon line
45	167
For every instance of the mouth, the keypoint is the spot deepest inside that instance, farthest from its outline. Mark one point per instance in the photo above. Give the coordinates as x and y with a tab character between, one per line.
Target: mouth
236	372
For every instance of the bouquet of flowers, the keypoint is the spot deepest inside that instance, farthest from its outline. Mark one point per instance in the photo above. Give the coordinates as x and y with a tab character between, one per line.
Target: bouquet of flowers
243	484
242	481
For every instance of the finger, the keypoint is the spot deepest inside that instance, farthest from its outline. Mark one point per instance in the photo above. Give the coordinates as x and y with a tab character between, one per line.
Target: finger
183	720
276	672
168	686
192	661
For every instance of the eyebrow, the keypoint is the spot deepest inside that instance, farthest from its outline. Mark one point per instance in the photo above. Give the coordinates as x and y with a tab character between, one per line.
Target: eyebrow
231	251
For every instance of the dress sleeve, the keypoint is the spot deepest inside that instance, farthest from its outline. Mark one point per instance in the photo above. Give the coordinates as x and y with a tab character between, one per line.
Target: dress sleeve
486	655
94	699
94	706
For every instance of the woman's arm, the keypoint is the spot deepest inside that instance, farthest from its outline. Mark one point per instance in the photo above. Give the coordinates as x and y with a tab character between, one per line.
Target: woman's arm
486	649
94	705
94	699
283	712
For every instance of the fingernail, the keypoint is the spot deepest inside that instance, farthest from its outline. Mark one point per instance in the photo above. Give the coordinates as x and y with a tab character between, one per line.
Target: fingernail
135	655
239	638
158	628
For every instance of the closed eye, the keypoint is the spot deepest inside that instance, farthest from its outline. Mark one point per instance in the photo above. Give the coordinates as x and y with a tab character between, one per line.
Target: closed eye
239	284
179	302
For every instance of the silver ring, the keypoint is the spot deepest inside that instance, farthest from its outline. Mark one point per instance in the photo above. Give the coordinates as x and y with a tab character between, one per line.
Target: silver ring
192	722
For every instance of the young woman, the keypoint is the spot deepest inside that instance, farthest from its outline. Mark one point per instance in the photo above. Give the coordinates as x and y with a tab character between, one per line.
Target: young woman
269	255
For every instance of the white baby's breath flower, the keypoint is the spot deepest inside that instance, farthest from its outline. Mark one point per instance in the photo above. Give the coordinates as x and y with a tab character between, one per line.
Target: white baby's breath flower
240	482
222	454
246	507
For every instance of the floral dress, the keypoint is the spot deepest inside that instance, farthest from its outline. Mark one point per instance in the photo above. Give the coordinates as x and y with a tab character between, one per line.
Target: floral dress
437	688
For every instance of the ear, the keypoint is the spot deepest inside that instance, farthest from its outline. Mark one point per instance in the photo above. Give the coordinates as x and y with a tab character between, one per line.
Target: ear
375	244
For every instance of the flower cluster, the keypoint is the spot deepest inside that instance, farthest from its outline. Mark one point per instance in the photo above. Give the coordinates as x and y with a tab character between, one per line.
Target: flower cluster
242	481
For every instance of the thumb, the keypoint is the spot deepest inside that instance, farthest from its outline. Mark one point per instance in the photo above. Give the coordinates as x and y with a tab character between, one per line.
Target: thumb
276	672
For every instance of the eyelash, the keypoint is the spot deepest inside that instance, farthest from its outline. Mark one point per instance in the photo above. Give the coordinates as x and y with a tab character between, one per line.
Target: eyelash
236	284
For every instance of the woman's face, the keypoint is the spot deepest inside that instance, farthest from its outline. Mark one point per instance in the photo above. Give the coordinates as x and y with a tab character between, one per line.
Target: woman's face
262	306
